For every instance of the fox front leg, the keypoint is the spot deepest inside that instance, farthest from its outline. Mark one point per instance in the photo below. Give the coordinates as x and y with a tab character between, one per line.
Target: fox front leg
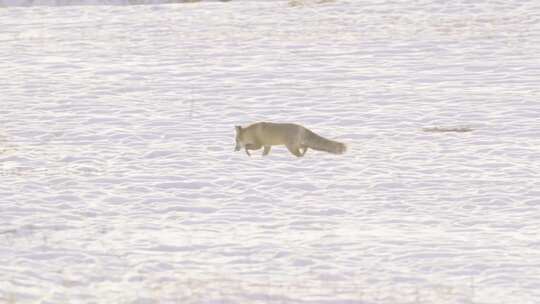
252	147
266	150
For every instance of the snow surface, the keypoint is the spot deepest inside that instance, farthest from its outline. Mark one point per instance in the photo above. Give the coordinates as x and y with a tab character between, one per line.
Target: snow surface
119	184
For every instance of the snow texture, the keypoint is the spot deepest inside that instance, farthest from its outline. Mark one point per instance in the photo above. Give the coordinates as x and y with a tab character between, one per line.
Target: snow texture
119	183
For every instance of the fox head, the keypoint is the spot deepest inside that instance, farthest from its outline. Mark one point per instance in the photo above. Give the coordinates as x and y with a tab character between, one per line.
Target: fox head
239	141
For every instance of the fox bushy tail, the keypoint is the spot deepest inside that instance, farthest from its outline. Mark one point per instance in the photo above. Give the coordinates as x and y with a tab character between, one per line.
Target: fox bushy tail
317	142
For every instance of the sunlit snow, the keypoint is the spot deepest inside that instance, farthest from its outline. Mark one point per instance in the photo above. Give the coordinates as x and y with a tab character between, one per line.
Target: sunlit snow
119	183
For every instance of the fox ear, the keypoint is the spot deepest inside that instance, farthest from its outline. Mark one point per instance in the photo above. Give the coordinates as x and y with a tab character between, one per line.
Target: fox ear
238	128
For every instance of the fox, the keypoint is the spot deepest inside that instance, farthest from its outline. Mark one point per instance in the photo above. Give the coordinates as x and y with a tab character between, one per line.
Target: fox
295	137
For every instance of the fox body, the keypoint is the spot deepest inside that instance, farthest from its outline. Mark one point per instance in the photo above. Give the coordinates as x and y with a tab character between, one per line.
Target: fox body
296	138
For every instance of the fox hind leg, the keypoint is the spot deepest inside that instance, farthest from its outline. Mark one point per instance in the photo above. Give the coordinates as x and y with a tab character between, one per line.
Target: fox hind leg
295	150
266	150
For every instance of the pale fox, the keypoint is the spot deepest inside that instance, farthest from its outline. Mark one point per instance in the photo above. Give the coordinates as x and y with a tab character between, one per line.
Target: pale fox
295	137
